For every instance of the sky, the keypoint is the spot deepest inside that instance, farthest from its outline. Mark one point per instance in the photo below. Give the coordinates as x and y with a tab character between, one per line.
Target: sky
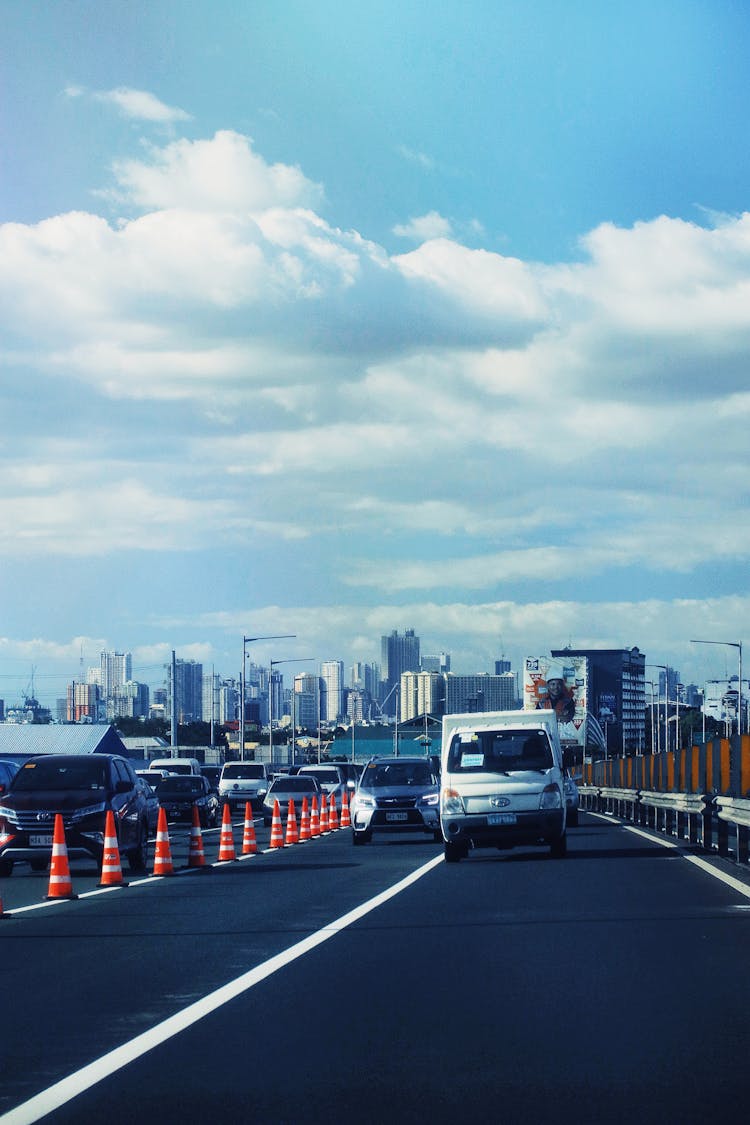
333	319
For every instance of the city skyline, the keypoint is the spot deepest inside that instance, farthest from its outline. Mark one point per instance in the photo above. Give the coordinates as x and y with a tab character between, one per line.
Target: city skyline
332	322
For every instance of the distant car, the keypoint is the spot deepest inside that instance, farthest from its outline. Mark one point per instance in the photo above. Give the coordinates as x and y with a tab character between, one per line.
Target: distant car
288	787
213	773
152	777
152	804
333	778
83	788
242	782
396	794
178	794
572	799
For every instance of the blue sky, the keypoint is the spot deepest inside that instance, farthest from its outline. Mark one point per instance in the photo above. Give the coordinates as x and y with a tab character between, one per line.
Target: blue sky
337	319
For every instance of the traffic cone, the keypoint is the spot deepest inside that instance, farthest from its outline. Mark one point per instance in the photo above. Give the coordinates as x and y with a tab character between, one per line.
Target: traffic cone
277	832
333	814
249	842
162	849
292	832
226	840
323	814
60	885
346	820
111	866
3	913
304	822
314	819
196	855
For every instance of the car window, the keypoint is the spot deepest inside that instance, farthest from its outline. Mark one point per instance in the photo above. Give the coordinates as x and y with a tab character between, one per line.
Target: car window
294	784
55	773
503	751
244	771
331	777
181	784
381	774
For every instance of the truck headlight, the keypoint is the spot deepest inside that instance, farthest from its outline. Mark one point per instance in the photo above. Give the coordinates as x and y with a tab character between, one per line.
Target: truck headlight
451	803
551	798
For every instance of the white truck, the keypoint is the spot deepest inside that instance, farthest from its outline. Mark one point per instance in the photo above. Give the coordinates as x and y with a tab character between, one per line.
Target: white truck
502	782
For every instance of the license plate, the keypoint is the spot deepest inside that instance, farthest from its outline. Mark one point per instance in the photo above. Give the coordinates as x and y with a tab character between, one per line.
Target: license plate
40	841
396	816
501	818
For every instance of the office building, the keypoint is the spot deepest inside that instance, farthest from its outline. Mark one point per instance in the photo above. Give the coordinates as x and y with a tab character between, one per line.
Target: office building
616	695
480	692
188	689
332	687
398	653
422	693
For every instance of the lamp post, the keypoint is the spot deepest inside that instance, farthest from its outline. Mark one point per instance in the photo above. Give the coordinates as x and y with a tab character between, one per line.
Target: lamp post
651	704
248	641
738	646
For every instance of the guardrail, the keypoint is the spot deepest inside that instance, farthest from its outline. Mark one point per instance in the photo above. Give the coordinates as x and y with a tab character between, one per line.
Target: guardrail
700	794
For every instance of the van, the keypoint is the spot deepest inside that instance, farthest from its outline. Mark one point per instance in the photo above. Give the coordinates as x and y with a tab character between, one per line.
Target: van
502	782
241	782
176	765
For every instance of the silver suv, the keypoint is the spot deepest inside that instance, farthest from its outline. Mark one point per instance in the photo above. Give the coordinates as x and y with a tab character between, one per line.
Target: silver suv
396	794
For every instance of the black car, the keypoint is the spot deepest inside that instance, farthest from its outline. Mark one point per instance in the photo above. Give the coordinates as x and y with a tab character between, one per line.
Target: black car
83	788
8	771
179	793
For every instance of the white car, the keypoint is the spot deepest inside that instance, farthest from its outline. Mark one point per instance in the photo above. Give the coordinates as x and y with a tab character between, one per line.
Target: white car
241	782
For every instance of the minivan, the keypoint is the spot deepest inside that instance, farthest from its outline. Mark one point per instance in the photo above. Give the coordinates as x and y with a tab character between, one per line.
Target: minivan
176	765
502	782
243	781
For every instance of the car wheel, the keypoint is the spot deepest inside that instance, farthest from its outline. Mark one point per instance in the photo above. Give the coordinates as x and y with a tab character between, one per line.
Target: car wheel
454	852
573	819
361	837
6	867
138	857
39	864
559	847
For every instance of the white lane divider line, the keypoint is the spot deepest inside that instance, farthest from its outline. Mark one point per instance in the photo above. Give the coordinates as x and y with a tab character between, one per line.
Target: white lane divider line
68	1088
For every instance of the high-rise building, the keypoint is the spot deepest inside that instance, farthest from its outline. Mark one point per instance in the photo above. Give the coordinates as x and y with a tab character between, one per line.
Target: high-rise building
502	666
616	694
441	662
398	654
131	701
480	692
115	669
422	693
332	686
306	700
82	703
188	690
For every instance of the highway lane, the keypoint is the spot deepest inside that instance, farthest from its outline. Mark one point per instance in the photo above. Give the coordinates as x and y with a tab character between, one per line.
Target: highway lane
608	985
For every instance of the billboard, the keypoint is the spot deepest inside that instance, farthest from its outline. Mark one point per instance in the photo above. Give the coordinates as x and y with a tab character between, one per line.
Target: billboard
551	683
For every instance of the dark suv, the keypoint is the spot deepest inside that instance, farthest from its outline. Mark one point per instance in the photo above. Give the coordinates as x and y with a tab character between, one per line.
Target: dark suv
83	787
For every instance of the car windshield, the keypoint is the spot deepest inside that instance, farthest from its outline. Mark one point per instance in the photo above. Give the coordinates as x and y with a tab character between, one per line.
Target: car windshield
396	774
52	773
327	776
180	786
244	772
505	751
294	784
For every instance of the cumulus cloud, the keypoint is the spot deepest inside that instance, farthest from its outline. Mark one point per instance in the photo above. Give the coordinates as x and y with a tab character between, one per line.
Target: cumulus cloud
457	419
140	105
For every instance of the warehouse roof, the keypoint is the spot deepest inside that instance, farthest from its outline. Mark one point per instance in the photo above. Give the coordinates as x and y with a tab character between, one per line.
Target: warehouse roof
59	738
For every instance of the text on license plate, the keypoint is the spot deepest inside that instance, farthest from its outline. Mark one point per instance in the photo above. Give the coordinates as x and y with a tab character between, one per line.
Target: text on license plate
501	818
396	816
40	841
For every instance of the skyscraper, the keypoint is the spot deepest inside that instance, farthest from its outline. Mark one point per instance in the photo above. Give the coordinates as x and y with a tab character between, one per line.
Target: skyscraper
332	703
397	654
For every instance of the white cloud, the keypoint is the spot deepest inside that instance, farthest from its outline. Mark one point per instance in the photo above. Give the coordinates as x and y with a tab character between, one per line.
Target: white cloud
424	227
140	105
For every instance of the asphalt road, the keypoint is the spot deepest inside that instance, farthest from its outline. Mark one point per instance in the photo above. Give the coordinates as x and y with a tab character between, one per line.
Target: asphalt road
610	986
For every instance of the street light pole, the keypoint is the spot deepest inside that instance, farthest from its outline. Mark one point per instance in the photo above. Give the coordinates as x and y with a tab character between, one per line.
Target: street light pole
273	663
738	646
248	641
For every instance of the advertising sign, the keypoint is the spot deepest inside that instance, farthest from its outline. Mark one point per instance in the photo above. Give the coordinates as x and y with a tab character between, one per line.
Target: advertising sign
560	685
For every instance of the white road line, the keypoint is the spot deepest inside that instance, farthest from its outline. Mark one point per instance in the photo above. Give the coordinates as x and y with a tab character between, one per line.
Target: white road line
68	1088
704	865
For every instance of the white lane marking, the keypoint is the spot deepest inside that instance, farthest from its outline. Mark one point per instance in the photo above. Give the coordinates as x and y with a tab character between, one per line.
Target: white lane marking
704	865
68	1088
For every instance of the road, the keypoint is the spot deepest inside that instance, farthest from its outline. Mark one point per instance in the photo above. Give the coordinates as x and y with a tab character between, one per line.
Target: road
609	986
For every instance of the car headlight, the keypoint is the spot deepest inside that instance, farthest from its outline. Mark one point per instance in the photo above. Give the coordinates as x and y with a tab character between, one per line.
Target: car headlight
452	803
364	800
550	798
262	792
10	817
88	810
430	799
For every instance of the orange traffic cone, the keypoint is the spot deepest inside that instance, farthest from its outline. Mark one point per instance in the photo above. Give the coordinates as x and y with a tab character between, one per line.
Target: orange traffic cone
333	814
323	814
226	840
314	819
196	855
111	866
304	823
249	842
277	832
162	849
60	885
3	913
346	820
292	832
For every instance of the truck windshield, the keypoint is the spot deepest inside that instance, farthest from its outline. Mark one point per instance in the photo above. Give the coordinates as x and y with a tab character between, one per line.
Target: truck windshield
500	751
